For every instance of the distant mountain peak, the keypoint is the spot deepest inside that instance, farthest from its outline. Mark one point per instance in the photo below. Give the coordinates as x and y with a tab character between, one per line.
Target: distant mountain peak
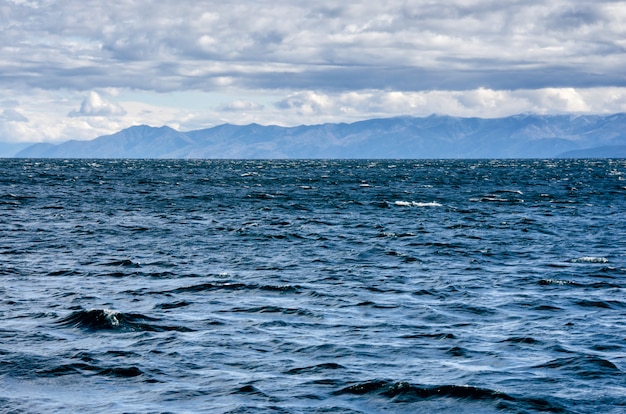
434	136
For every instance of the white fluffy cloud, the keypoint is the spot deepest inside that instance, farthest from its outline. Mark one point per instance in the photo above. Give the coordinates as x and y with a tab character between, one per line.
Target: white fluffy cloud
241	106
480	102
94	105
292	62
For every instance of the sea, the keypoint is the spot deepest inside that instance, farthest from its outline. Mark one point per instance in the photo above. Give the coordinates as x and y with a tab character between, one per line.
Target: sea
312	286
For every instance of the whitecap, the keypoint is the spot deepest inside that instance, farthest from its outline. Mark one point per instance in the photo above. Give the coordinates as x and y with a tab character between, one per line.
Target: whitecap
429	204
112	316
510	191
590	259
417	204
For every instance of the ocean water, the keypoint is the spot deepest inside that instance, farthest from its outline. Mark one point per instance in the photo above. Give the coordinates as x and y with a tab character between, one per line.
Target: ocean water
131	286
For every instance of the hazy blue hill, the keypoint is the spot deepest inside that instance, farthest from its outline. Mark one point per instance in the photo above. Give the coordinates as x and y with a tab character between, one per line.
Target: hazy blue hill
39	150
519	136
9	149
609	151
135	142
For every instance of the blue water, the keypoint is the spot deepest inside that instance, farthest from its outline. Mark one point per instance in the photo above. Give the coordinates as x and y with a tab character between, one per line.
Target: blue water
312	286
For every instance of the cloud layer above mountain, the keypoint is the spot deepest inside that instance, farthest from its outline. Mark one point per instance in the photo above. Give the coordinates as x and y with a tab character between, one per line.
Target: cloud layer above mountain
99	66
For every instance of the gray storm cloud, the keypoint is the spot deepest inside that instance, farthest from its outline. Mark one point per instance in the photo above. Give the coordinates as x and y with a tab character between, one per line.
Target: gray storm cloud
418	45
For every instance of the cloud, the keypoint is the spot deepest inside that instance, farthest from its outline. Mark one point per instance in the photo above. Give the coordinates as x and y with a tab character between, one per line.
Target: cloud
480	102
94	105
419	45
47	121
292	62
307	103
240	106
12	115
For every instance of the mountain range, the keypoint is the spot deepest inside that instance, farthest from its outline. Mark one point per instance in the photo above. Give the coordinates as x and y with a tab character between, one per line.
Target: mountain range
435	136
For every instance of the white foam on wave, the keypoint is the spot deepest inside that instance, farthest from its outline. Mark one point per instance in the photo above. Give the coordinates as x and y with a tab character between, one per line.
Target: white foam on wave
590	259
417	204
112	316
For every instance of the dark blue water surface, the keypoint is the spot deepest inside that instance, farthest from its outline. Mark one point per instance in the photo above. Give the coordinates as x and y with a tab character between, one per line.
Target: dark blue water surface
313	286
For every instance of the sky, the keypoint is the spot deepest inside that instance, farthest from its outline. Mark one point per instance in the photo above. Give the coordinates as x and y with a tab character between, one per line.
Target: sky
78	69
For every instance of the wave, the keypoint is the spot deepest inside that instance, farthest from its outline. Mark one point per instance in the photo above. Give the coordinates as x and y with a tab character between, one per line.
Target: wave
82	368
65	273
275	309
204	287
14	199
404	392
497	197
556	282
594	285
395	235
28	365
109	320
250	390
509	192
417	204
605	304
314	369
586	366
122	263
522	340
590	259
438	336
173	305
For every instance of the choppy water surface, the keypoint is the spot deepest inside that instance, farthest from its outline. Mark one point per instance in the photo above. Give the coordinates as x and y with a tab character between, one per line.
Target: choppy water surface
312	286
